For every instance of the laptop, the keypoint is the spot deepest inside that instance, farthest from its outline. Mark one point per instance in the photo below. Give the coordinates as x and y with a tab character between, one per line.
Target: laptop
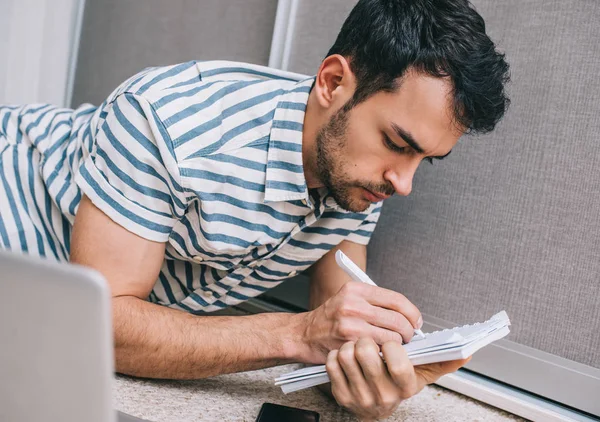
56	344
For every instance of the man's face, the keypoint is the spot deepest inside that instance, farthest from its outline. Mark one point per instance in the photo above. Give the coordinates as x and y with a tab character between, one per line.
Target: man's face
373	150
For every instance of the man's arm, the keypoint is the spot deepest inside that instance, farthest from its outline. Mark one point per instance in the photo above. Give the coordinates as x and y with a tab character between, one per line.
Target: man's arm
327	278
159	342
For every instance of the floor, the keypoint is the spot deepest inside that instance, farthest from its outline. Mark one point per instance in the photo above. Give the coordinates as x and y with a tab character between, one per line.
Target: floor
238	397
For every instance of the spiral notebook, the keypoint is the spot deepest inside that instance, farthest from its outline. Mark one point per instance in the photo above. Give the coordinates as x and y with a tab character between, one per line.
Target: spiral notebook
438	346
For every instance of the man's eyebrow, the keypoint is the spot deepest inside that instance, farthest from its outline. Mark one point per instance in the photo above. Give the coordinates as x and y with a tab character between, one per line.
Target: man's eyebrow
407	137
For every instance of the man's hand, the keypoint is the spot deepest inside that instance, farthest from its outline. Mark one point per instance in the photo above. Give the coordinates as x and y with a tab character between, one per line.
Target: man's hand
371	388
358	310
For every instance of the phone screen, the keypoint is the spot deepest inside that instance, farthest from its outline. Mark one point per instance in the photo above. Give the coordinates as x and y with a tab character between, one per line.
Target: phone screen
270	412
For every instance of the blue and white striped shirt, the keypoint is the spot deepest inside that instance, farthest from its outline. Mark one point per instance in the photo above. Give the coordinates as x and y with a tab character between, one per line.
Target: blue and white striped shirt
207	157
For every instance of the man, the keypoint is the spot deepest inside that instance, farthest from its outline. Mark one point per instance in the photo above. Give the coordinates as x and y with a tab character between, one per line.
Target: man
196	186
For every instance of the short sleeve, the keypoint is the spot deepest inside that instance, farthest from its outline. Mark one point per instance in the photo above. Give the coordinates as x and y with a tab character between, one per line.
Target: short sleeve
131	173
362	234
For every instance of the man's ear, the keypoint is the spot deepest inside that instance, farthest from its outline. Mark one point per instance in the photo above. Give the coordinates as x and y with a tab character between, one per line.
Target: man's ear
335	83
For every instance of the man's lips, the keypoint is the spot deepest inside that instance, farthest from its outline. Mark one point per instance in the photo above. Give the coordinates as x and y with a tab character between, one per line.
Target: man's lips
375	197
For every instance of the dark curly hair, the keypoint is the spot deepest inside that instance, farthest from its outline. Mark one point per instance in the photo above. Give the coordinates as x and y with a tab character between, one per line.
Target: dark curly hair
382	39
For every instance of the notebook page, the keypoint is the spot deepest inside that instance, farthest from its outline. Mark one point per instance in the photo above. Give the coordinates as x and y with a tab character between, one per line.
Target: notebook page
457	336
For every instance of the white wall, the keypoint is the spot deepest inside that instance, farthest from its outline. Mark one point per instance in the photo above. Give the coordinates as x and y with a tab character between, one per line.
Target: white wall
38	40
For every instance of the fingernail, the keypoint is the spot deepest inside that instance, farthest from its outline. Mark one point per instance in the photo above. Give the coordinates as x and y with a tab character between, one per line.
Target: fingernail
419	322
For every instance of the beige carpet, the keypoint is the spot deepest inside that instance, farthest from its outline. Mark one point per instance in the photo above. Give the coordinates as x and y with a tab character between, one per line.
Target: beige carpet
238	397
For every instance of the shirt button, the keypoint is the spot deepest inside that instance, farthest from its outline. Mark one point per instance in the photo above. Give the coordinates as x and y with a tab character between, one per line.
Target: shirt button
304	202
293	273
197	259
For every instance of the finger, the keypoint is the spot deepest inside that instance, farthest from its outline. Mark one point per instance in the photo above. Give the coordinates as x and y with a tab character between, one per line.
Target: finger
373	367
356	379
381	335
400	368
353	328
431	372
446	366
392	321
366	352
389	299
339	383
453	365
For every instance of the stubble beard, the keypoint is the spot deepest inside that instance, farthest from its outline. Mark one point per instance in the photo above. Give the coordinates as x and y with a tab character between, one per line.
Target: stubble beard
331	140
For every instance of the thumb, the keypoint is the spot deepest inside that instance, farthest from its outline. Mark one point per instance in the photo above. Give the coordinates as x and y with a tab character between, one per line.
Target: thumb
454	365
430	373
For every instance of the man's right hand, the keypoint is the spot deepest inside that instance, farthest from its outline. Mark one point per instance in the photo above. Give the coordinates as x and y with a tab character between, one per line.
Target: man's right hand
358	310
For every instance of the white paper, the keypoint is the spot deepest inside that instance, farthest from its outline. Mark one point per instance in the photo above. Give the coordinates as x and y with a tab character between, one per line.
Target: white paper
439	346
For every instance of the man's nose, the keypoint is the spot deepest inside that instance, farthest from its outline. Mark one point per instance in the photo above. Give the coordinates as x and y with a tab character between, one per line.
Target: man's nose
401	180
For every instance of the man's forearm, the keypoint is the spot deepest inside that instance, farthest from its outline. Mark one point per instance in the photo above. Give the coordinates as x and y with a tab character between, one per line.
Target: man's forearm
323	289
326	278
158	342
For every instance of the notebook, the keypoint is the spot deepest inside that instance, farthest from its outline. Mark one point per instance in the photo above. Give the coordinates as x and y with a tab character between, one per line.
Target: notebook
438	346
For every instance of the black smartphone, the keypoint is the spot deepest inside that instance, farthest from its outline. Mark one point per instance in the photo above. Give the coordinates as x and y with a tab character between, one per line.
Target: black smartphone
270	412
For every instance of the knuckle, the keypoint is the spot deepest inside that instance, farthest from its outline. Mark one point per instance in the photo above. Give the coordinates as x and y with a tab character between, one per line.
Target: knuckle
403	323
396	338
346	309
389	346
389	401
400	370
365	349
331	362
390	337
340	398
344	402
366	401
362	354
345	329
346	353
405	330
407	336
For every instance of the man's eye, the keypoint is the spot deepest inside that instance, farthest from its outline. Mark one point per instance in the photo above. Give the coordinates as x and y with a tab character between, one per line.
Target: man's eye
391	145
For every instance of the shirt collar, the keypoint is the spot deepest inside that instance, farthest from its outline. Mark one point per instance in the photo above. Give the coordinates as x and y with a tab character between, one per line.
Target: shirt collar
285	179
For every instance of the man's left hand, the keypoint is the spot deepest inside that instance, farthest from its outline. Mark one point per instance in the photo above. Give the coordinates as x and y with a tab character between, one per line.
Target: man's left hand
371	388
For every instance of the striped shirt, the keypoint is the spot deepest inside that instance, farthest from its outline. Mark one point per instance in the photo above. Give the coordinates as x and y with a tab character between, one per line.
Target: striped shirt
205	156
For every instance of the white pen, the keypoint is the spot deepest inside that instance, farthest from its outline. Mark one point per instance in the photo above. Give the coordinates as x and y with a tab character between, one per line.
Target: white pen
359	275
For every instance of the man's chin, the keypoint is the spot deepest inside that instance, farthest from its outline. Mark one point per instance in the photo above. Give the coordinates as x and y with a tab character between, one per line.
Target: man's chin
349	202
358	205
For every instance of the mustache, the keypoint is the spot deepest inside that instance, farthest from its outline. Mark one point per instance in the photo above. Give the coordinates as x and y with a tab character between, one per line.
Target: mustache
385	189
